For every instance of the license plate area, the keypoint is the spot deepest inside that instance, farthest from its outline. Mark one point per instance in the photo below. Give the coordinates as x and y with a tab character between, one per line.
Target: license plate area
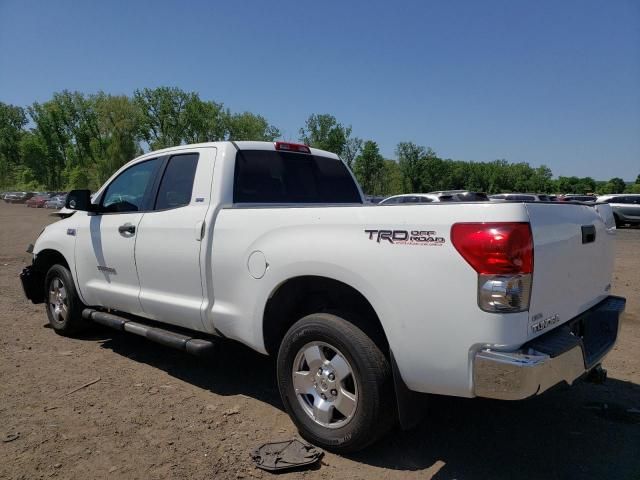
595	331
598	328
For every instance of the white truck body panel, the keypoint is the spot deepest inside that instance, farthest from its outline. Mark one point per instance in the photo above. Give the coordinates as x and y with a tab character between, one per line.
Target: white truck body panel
569	276
424	295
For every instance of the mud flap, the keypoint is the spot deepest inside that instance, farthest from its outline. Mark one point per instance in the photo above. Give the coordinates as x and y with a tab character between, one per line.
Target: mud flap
411	405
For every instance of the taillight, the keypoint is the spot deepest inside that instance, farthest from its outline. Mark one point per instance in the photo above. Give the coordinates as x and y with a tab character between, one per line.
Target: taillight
502	255
292	147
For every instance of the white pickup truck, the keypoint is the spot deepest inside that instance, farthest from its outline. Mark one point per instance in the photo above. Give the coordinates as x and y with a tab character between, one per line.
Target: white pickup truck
270	244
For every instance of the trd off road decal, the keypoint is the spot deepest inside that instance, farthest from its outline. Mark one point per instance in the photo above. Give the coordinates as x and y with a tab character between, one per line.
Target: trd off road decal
406	237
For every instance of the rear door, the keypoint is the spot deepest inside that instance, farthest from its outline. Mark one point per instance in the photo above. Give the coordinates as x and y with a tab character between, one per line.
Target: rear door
167	250
573	260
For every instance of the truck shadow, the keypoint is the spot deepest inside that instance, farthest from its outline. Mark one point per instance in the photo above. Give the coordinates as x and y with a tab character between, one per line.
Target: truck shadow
584	431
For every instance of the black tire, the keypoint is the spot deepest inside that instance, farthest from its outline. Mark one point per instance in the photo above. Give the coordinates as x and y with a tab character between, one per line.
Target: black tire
374	413
619	224
65	315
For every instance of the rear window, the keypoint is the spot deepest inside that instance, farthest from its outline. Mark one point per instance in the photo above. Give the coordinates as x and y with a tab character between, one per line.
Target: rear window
263	176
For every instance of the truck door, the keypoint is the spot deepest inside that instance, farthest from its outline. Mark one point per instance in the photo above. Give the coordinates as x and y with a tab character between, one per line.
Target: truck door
104	254
167	250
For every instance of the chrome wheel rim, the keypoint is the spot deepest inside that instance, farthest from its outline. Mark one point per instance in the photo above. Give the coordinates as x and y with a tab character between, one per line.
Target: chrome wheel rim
58	302
325	385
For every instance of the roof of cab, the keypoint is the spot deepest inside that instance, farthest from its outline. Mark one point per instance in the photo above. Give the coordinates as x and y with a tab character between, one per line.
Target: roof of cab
242	145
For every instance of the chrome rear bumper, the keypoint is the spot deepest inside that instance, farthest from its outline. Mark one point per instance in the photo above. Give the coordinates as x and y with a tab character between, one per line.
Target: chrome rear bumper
563	354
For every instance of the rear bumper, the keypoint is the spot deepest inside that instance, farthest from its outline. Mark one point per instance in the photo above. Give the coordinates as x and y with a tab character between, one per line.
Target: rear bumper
563	354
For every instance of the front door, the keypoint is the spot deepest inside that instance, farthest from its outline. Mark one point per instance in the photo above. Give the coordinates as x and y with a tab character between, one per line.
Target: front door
105	244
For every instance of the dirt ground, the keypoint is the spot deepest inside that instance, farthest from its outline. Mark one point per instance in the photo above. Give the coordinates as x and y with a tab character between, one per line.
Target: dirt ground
159	413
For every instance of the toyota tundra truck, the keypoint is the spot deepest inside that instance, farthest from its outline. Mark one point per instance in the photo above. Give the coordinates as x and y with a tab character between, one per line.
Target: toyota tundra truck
364	307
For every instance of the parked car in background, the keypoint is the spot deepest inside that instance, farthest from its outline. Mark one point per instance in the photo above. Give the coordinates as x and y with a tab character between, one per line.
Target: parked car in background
373	199
625	206
18	197
460	196
521	197
570	197
409	198
37	201
440	196
56	202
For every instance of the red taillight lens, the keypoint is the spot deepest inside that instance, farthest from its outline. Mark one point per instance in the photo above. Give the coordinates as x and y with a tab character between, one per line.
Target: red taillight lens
292	147
495	248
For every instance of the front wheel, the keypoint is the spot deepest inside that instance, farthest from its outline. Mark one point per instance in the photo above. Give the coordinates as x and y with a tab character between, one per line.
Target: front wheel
335	383
64	307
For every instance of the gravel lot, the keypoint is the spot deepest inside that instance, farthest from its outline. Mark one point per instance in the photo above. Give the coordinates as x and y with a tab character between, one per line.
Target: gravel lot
159	413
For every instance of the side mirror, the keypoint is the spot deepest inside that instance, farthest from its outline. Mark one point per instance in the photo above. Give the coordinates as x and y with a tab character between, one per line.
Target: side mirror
79	200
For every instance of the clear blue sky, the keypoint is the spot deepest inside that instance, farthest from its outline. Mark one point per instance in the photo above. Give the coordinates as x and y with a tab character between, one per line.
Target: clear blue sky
554	82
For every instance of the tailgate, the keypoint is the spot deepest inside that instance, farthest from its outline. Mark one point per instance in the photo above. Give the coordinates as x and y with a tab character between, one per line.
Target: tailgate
573	261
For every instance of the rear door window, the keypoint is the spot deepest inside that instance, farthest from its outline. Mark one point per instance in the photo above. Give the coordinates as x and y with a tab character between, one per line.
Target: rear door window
176	185
266	176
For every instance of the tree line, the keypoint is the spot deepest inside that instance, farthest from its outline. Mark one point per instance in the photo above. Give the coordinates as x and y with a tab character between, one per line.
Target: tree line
76	140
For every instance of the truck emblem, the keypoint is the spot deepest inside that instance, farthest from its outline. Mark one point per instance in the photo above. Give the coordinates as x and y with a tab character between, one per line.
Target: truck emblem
406	237
104	269
544	324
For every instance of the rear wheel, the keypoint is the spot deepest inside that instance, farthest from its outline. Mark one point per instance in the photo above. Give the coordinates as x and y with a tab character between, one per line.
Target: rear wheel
64	307
335	383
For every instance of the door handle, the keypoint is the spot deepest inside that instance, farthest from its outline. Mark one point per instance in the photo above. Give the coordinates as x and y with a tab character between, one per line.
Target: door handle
127	228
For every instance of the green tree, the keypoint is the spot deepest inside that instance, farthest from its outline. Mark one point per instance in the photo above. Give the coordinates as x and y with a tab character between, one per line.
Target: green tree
369	167
323	131
617	185
12	121
249	126
391	182
119	121
411	162
351	150
163	115
33	156
204	121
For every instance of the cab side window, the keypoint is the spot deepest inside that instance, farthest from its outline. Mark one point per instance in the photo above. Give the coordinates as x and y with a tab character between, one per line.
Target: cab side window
127	192
177	182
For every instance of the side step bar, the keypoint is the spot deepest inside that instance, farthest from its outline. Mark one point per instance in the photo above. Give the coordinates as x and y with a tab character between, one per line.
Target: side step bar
195	346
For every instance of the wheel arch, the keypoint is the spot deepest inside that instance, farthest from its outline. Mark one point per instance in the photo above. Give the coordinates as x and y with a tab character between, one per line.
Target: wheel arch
302	295
42	262
47	258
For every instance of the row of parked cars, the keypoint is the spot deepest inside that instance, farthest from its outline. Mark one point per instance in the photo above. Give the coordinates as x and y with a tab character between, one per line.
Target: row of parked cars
36	199
625	206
